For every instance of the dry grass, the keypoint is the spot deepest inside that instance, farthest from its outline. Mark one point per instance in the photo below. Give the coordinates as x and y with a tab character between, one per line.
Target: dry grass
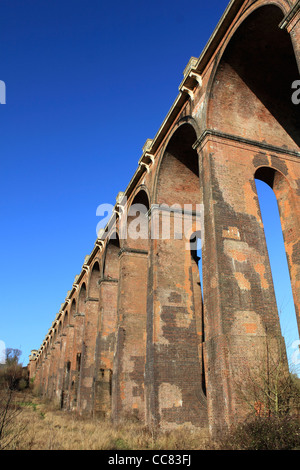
40	427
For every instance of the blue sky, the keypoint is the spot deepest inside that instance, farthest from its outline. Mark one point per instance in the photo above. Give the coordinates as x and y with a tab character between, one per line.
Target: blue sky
87	84
280	272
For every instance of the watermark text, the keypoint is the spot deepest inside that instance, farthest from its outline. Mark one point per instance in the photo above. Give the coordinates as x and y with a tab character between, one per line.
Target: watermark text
2	92
296	93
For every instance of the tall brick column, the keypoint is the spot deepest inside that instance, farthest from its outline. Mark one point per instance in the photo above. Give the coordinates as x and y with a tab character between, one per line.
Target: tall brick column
241	319
174	373
38	377
55	348
77	354
129	361
291	23
88	360
47	365
60	367
105	345
69	329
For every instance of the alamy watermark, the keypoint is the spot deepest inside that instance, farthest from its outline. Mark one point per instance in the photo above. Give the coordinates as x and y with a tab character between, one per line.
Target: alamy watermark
2	92
160	222
296	93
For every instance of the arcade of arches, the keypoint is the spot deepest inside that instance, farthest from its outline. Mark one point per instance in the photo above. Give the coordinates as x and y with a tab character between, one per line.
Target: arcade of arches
139	332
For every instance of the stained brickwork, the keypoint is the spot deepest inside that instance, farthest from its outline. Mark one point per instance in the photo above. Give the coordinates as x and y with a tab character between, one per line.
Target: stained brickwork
140	333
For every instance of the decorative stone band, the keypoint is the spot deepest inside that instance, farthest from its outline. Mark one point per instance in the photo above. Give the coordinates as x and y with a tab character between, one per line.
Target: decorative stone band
91	299
133	250
243	140
290	16
177	210
106	279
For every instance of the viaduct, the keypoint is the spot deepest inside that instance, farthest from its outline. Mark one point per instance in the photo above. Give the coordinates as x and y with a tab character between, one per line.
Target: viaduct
137	333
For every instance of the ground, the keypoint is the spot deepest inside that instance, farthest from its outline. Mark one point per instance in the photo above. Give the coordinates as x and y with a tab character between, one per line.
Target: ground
39	426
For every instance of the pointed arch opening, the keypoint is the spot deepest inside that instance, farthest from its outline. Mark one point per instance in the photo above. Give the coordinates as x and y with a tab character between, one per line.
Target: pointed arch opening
82	298
137	222
280	226
93	284
73	308
252	86
178	178
66	320
197	277
111	261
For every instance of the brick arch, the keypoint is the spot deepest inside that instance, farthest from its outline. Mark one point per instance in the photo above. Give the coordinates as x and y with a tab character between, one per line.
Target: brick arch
66	319
178	173
81	297
50	339
54	334
248	10
137	222
95	272
181	121
255	94
183	126
142	187
110	267
73	308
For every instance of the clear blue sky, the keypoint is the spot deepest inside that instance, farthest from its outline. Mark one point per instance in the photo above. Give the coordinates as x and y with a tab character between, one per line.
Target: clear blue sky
87	83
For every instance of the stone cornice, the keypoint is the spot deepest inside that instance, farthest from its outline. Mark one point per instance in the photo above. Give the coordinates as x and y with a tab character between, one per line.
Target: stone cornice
290	16
107	279
132	251
172	210
243	140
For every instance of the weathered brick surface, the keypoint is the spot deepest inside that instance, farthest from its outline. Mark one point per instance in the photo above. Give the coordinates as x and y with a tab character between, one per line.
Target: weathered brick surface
131	337
135	335
87	372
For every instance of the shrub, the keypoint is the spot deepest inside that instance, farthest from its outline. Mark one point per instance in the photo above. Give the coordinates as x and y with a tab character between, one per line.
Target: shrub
264	433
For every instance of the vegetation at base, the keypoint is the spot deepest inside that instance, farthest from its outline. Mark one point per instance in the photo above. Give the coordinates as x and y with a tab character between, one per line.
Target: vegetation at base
271	394
39	425
28	422
264	433
48	428
13	375
13	378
